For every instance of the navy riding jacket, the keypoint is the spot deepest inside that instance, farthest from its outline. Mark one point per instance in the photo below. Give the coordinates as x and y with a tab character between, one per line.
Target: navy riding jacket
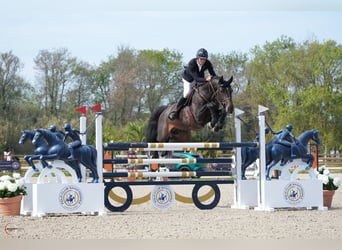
192	72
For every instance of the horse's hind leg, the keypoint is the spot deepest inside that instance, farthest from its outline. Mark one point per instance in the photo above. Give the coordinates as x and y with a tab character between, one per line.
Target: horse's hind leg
268	169
93	170
310	161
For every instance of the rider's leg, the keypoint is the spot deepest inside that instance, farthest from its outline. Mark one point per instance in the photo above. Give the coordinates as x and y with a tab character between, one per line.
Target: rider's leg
293	155
175	114
71	157
181	101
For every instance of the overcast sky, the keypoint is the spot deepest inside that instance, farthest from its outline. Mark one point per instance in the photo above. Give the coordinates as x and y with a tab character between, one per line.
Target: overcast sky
93	30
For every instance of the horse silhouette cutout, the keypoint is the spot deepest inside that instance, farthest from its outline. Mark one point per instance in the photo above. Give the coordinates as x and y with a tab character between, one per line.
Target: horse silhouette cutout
40	147
209	102
276	152
59	150
280	152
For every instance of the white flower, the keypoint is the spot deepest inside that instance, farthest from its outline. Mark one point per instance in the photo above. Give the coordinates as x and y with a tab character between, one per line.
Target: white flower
326	172
16	175
337	181
5	178
325	179
20	182
12	187
321	168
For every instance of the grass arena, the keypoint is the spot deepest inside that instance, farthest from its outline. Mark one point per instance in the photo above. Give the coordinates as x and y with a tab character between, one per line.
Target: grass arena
217	217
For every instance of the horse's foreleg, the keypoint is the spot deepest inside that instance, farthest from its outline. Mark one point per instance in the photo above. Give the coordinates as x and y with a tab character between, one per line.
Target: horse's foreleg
43	159
221	121
213	114
30	160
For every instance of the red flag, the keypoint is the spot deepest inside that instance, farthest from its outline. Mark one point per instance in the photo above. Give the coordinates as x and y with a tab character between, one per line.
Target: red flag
82	109
96	108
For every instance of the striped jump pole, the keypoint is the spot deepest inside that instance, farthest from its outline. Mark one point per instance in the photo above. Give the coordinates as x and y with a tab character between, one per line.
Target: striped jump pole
182	174
171	146
168	161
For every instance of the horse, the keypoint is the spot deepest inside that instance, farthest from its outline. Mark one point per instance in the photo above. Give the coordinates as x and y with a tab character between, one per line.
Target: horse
210	102
58	149
40	147
250	155
280	152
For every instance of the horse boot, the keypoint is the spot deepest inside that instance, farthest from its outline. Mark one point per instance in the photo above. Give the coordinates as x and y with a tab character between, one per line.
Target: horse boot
175	114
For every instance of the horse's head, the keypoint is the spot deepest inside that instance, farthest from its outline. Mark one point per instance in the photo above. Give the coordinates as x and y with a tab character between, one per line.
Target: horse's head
315	136
37	135
25	135
223	92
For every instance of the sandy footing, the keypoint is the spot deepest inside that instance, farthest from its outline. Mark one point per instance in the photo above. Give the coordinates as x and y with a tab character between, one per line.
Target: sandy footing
182	221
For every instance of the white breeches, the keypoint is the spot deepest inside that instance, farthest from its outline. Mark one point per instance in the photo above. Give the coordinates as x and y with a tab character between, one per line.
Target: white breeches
186	88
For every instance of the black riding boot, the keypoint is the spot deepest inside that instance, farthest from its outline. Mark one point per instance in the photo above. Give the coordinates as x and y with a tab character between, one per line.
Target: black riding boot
175	114
71	157
293	155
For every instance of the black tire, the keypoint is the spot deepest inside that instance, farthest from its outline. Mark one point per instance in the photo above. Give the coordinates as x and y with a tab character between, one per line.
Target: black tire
184	168
129	195
198	203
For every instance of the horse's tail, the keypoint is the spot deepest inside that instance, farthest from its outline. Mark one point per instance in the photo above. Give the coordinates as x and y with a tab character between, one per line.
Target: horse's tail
151	131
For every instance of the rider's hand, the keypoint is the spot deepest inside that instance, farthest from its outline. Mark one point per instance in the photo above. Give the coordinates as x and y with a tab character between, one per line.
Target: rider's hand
208	78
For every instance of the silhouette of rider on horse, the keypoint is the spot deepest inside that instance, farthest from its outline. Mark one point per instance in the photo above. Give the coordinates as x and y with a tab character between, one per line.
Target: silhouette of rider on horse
60	134
74	135
286	138
194	72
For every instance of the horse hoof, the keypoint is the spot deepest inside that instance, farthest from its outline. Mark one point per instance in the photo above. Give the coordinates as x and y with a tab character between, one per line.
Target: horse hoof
268	178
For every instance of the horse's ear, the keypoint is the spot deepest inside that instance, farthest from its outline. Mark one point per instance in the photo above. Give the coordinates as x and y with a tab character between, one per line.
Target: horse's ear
230	80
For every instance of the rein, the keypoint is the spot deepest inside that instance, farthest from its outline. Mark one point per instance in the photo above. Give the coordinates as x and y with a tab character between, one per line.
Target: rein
211	90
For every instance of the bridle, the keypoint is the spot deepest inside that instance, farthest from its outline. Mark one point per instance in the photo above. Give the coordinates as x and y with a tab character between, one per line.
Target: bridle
214	93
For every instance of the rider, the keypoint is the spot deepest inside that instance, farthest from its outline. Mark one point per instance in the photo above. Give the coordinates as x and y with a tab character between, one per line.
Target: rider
74	135
286	138
60	134
194	71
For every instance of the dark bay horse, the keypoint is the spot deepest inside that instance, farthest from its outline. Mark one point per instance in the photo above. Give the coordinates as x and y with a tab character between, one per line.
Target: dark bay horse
276	152
210	102
59	150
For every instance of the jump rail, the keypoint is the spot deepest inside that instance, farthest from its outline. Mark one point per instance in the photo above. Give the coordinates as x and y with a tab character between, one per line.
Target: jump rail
168	161
170	146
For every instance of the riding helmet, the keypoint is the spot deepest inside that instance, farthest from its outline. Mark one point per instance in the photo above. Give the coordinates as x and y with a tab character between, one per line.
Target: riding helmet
289	127
53	128
202	53
67	126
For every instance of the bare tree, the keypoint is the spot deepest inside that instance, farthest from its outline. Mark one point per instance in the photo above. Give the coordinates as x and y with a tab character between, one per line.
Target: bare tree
54	70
